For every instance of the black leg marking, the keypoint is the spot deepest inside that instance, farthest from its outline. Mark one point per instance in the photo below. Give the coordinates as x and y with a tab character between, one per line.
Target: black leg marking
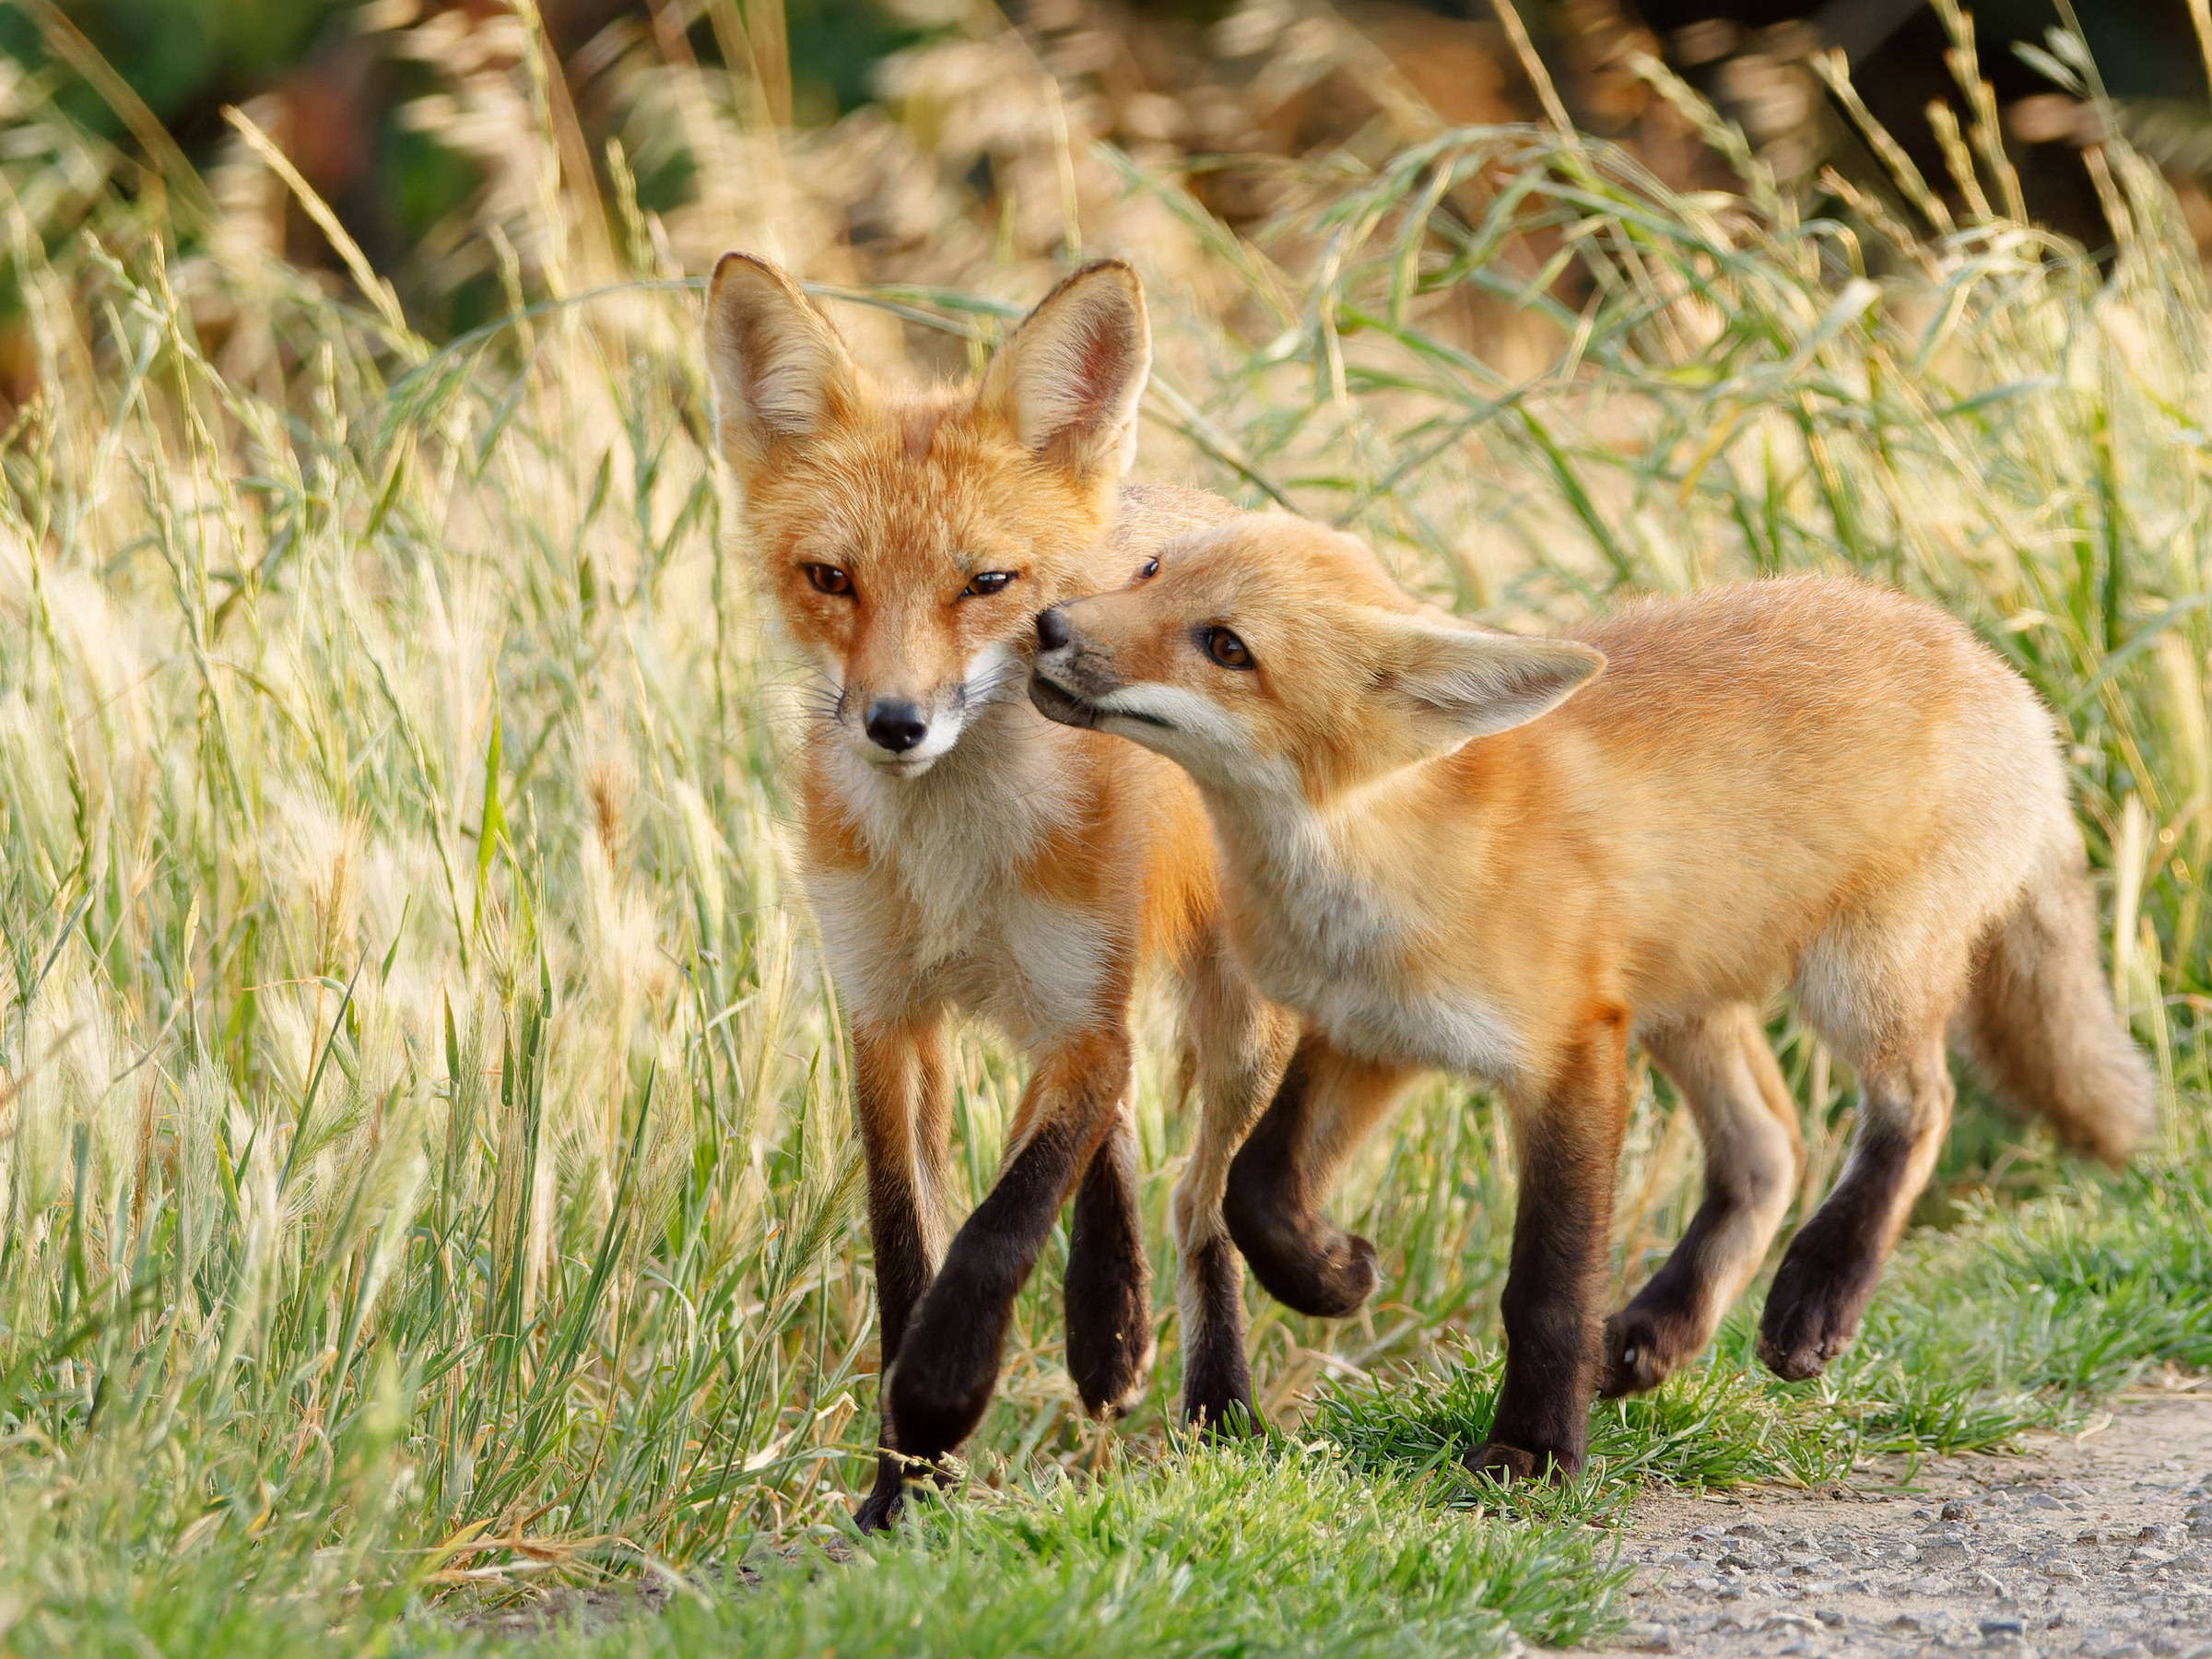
1217	1378
1561	1218
1833	1264
1300	1258
941	1385
1109	1284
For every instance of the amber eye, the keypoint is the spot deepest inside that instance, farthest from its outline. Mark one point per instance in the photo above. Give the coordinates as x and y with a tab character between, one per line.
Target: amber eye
986	583
828	579
1226	649
1151	569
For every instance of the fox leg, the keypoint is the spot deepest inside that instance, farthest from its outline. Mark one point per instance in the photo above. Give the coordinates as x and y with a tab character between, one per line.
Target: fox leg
1832	1265
903	1095
1108	1286
1326	1103
1753	1157
1570	1143
1242	1044
948	1360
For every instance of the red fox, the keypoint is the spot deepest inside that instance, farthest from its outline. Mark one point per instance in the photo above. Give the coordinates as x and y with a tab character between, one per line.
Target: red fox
1451	848
962	854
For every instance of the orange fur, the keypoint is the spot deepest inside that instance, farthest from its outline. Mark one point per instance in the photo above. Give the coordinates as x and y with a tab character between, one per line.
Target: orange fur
1452	848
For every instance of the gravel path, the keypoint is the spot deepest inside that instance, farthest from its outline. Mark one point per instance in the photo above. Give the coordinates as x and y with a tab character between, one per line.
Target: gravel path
2098	1543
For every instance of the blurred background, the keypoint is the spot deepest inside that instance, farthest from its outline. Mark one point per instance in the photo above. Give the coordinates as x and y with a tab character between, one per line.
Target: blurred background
919	120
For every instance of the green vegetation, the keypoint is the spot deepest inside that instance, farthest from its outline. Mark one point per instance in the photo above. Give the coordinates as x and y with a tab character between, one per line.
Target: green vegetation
422	1120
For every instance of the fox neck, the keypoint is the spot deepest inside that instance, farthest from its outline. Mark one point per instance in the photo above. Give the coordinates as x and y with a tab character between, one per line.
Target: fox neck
1345	913
998	793
1336	877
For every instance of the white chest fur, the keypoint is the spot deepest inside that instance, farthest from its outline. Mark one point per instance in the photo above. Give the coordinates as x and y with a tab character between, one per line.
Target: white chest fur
939	914
1363	961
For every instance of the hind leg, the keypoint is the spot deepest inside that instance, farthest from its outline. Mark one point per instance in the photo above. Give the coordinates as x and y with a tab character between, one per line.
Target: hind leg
1109	1283
1753	1156
1242	1044
1833	1265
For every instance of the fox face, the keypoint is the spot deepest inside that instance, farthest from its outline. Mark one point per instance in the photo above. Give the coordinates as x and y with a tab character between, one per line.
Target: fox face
907	539
1274	655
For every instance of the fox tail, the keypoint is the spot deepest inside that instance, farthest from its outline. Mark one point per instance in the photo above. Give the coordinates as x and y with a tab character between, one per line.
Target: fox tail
2039	1021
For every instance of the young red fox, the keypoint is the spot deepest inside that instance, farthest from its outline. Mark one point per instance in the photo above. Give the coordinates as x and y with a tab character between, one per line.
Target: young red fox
1449	848
962	854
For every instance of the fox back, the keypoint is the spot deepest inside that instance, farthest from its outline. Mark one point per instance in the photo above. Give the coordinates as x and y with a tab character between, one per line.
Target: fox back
1686	804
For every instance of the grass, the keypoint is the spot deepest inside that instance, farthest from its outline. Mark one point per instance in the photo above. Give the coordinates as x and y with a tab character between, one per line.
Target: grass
422	1119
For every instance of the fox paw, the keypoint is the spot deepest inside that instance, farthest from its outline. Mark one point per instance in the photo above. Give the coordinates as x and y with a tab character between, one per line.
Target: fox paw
880	1507
933	1408
1642	1351
1110	1342
1310	1265
1507	1464
1805	1328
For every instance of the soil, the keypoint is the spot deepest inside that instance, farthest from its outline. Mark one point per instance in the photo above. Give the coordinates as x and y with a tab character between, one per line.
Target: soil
2097	1543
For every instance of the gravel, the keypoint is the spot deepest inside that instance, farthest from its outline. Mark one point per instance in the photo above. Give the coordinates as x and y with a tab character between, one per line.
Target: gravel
2098	1545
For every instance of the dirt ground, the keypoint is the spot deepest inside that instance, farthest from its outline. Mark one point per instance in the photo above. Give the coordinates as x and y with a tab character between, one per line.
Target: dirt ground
2097	1544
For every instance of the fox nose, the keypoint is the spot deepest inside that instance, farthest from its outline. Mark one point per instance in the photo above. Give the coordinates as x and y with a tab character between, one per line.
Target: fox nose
1051	628
897	726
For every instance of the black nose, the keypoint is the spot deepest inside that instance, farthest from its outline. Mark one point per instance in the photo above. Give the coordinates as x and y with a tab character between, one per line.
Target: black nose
1051	628
897	726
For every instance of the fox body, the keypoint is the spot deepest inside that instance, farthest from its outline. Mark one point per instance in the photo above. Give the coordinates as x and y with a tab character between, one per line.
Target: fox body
964	855
1451	848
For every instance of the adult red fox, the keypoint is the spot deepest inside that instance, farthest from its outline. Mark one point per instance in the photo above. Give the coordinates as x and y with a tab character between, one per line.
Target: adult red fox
1462	850
963	855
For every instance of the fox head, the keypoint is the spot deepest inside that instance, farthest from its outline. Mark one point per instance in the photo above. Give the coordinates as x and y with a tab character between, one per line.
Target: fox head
907	539
1273	652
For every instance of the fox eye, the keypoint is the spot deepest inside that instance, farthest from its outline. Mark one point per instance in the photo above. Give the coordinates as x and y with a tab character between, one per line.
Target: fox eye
986	583
1151	568
1226	649
828	579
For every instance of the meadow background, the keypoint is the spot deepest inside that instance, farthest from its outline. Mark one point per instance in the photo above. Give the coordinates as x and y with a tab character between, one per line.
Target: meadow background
423	1118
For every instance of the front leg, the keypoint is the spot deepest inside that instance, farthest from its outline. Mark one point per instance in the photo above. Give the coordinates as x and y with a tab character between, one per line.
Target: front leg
1571	1134
948	1362
902	1094
1327	1102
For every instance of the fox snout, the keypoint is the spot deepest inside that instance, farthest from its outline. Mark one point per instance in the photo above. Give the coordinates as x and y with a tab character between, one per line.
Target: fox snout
1067	673
895	725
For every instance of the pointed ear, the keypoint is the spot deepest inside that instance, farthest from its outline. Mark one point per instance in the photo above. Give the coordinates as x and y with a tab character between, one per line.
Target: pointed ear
779	369
1069	379
1458	683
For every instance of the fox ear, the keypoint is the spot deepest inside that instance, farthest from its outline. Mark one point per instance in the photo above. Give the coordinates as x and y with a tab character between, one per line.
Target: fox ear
1069	379
1459	683
779	369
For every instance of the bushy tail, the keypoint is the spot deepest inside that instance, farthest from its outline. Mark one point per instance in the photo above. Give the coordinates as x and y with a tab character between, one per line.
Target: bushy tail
2039	1022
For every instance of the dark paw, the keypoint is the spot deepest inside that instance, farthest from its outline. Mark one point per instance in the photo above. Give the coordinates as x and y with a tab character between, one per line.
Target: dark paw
1803	1330
1112	1363
1797	1361
1217	1401
880	1507
1310	1265
1640	1352
933	1407
1508	1463
1110	1344
1216	1378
